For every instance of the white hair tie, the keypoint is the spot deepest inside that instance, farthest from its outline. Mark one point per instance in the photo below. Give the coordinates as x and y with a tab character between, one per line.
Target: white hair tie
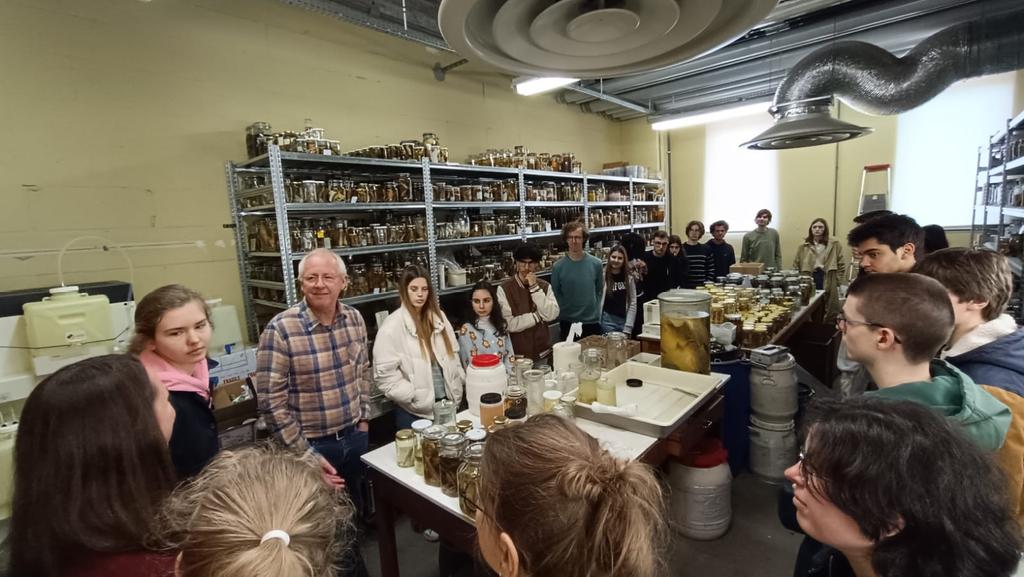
276	534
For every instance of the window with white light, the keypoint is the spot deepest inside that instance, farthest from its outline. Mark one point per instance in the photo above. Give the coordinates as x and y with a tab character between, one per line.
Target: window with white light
738	182
937	145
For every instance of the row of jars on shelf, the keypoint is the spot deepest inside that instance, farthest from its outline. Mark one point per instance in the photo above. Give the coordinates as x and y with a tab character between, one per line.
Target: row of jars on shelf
1010	193
308	234
379	275
1014	149
520	157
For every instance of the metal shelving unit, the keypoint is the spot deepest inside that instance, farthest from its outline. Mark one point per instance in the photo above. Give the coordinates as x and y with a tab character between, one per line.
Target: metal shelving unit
997	215
277	163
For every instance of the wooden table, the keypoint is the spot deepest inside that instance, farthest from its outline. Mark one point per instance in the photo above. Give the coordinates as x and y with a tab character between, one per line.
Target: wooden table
401	489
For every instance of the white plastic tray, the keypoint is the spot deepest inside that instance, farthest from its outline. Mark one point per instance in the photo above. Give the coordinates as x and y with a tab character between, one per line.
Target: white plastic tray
665	400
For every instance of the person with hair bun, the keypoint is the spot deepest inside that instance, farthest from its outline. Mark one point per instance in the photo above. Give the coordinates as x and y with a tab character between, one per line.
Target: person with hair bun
172	331
553	503
258	512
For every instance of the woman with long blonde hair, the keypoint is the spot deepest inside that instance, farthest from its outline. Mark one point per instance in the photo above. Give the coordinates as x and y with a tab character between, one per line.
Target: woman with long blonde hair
415	356
258	512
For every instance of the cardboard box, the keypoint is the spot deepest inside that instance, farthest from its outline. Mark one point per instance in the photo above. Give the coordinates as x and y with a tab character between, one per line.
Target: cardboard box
754	268
229	413
239	436
236	366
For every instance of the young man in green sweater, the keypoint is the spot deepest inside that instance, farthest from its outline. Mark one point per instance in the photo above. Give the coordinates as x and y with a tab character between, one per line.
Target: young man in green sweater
896	324
578	283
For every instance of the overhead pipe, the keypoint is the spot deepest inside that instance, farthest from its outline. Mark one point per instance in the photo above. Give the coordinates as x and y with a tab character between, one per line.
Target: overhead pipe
875	81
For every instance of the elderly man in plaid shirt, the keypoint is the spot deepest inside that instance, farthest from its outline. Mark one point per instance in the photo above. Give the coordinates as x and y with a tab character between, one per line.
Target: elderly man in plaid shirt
313	374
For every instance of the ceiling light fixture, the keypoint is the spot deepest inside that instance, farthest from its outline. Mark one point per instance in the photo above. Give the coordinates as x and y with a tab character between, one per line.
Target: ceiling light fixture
527	86
749	109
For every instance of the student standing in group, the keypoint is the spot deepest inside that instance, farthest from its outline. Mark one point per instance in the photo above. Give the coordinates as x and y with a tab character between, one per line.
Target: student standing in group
528	305
554	503
822	257
762	244
578	282
415	354
663	271
722	253
91	472
675	246
172	331
700	265
619	312
487	333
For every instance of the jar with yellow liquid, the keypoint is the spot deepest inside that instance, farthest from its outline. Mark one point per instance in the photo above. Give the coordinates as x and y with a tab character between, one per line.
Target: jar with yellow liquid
686	330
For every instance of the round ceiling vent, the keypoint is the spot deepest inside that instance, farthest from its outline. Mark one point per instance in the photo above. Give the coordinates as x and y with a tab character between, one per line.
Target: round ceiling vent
593	38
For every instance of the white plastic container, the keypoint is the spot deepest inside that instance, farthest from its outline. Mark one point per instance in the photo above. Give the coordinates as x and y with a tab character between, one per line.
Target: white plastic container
772	448
67	317
486	374
226	328
773	391
564	354
702	496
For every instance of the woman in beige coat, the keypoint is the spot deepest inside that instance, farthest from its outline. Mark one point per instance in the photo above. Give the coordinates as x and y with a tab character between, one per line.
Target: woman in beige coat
822	257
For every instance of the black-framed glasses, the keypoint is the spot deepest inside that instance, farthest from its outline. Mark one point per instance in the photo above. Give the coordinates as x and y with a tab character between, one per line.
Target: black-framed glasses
842	322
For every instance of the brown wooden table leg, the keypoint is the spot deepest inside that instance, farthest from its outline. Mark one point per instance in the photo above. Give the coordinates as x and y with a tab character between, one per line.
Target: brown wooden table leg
385	516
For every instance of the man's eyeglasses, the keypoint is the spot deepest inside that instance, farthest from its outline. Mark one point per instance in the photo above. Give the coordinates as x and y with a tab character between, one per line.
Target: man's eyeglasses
326	278
842	322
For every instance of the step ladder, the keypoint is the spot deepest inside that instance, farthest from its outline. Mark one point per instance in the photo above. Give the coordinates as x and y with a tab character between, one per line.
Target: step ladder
875	200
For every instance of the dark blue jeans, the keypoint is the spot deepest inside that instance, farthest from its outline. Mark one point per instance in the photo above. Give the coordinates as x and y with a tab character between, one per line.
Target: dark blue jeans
404	419
343	452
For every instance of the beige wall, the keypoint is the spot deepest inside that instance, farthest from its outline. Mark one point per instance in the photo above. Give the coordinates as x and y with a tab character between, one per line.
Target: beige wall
120	115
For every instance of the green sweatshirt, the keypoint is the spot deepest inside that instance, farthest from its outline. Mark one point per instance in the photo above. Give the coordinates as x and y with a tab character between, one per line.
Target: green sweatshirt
954	394
578	286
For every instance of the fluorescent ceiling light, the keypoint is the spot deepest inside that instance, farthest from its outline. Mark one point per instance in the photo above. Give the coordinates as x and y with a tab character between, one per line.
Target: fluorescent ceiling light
527	86
714	116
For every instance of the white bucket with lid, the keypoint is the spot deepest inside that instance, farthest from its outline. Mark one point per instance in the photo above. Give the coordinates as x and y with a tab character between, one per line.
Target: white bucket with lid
702	495
772	448
486	374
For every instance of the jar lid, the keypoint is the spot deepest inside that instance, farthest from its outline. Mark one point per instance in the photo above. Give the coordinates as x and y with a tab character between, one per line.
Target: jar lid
435	432
476	435
453	439
475	450
419	425
770	426
684	296
502	421
569	398
552	395
404	435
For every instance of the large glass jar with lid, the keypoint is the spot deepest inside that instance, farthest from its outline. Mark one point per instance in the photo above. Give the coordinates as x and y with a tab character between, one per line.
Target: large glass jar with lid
686	330
616	349
592	365
450	457
431	446
533	382
469	478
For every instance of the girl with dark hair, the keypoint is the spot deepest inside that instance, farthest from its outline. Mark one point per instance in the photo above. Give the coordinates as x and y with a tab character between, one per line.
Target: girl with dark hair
554	503
172	331
895	490
619	309
415	361
91	471
821	256
487	333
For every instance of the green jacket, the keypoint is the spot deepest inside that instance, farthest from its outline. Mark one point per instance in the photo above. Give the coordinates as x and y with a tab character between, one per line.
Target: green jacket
954	394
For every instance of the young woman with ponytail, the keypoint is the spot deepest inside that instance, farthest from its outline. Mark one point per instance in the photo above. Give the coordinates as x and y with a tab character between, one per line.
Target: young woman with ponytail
258	512
553	503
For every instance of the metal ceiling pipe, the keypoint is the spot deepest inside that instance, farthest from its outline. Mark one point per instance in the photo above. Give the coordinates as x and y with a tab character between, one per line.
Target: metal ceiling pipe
875	81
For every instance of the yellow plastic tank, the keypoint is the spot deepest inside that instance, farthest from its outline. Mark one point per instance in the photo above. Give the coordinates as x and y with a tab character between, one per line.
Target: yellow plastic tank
67	317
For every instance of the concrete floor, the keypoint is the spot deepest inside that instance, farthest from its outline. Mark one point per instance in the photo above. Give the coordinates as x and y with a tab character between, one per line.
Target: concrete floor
755	546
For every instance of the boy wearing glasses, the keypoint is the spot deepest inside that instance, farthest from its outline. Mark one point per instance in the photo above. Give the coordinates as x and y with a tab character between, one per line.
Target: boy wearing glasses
895	325
578	283
664	271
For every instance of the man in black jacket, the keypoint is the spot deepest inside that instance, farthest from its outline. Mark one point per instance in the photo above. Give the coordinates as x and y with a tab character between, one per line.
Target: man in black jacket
664	272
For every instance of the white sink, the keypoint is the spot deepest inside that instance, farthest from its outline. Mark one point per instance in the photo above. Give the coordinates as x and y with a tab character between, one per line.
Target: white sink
666	398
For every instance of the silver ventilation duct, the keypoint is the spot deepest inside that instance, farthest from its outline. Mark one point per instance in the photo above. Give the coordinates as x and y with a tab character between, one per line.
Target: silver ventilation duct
875	81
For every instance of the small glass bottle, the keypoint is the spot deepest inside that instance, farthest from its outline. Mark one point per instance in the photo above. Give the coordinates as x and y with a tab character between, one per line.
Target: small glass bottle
565	407
469	478
533	381
491	407
606	392
444	414
499	424
418	426
405	448
431	454
476	435
450	457
515	397
587	392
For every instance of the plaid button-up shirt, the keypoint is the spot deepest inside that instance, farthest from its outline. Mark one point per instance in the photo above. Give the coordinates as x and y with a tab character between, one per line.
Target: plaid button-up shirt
313	380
